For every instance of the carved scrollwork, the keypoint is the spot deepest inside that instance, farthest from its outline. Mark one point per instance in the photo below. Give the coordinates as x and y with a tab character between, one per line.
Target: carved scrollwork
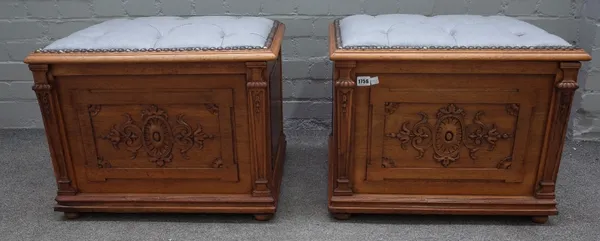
449	135
513	109
212	108
419	136
505	163
480	134
390	107
257	100
387	163
94	109
187	137
156	135
127	133
217	163
102	163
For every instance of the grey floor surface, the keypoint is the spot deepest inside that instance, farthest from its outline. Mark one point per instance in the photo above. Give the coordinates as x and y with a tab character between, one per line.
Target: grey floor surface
27	188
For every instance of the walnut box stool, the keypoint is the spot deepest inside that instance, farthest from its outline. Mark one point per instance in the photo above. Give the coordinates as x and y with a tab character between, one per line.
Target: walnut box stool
165	114
448	115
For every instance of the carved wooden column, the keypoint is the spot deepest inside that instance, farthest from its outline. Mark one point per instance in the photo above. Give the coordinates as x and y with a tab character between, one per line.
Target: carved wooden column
50	109
344	122
258	106
558	119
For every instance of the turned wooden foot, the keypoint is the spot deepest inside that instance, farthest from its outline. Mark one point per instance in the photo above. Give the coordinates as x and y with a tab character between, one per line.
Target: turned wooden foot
71	215
263	217
341	216
539	219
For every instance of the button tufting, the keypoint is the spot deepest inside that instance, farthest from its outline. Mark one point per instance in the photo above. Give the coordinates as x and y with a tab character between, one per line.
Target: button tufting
462	31
169	33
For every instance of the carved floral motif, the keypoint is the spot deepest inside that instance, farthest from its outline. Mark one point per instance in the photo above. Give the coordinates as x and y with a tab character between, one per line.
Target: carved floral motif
102	163
505	163
390	107
419	136
212	108
257	98
94	109
387	163
513	109
449	135
156	135
217	163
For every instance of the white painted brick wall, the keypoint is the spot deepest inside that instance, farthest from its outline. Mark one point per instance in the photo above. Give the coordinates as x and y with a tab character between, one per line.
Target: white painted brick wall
586	121
28	24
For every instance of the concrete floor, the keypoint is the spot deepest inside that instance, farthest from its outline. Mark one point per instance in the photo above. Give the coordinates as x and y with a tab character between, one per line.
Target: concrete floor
27	189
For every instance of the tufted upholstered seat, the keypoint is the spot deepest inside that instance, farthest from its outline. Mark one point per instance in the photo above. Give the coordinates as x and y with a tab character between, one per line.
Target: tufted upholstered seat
455	114
154	110
170	32
443	30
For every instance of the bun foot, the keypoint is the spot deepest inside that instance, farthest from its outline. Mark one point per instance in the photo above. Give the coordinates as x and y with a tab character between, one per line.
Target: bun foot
539	219
341	216
71	215
263	217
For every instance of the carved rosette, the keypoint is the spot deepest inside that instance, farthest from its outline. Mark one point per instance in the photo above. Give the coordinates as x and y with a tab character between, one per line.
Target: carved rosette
449	135
187	137
156	135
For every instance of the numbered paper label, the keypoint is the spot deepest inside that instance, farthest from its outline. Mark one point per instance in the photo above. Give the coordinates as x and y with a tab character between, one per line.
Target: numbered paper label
374	80
363	81
367	80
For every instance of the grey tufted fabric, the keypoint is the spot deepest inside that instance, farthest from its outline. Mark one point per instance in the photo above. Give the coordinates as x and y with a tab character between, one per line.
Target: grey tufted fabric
443	30
170	32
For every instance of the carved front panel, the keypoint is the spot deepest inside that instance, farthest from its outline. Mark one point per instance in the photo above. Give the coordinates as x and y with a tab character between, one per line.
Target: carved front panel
189	136
152	138
448	136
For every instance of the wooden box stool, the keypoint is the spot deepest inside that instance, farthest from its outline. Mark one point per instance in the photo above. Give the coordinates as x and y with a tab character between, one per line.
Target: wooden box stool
165	114
448	115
